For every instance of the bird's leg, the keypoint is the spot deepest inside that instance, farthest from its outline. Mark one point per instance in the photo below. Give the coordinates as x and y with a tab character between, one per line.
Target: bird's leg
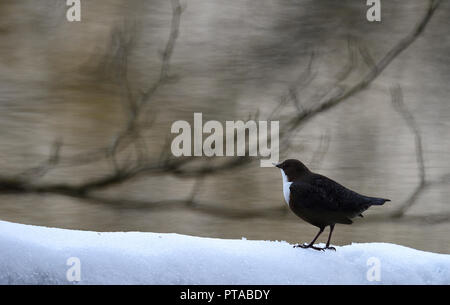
329	238
311	244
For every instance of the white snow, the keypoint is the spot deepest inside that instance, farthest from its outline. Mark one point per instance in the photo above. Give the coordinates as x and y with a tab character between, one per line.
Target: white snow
39	255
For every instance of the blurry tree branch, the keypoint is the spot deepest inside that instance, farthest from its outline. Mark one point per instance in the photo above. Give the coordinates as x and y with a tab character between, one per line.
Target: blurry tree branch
371	75
424	183
321	150
130	135
399	106
48	164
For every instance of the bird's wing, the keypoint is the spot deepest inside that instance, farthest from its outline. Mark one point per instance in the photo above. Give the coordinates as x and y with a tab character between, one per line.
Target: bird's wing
322	193
312	197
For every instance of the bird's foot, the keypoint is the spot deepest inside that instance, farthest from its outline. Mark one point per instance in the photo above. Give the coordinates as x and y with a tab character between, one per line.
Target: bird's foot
300	246
306	246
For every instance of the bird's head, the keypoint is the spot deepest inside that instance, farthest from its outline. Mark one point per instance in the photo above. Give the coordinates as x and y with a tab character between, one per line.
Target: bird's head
292	168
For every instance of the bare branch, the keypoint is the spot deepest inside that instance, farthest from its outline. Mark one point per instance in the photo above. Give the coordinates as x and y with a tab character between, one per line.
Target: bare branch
321	151
46	166
305	77
393	53
424	184
124	42
399	106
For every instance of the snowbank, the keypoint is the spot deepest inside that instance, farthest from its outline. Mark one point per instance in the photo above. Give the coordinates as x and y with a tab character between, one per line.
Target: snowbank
39	255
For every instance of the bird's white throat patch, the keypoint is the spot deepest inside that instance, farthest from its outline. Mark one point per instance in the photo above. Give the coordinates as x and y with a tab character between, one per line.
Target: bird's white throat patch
286	185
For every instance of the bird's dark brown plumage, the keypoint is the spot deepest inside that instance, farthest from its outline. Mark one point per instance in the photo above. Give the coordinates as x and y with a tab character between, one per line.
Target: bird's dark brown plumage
321	201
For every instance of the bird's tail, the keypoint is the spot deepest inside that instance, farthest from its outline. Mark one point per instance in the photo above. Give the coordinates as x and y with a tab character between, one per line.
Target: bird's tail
378	201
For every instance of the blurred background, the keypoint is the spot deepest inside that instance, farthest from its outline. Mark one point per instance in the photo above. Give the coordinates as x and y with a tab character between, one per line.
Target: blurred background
86	109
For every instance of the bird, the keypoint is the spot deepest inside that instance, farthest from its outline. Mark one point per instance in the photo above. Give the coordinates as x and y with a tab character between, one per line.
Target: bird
320	200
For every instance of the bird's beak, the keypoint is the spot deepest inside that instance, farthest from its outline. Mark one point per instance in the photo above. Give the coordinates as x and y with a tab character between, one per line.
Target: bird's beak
276	164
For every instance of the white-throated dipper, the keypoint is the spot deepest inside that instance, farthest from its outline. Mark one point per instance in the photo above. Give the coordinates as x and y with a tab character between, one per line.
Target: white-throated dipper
319	200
